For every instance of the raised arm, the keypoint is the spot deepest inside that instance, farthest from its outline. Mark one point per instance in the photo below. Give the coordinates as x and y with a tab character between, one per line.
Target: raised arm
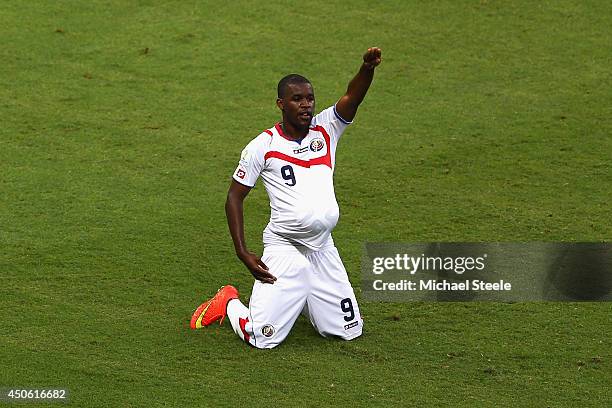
358	87
235	219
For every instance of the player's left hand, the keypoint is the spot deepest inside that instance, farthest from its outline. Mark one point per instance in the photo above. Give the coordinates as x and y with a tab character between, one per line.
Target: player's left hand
373	57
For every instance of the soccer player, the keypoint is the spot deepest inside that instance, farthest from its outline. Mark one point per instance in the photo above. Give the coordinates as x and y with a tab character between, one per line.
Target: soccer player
300	270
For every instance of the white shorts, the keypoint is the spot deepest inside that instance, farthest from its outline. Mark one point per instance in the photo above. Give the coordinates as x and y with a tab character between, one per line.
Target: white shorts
314	283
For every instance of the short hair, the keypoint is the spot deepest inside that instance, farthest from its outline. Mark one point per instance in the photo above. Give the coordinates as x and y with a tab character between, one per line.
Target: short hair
288	80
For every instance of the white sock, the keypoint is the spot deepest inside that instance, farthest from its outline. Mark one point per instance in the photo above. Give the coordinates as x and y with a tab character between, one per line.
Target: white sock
238	313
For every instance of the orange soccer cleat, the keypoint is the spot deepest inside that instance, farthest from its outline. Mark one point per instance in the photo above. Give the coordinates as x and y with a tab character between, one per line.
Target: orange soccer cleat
214	308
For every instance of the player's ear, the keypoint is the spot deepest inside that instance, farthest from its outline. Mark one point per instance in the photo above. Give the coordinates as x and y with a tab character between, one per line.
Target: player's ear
279	103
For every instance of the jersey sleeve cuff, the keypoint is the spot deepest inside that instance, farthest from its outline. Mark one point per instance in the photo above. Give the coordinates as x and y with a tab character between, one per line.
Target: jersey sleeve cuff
240	181
340	118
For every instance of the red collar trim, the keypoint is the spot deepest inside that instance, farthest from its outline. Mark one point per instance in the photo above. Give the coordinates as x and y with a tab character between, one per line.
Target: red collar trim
279	129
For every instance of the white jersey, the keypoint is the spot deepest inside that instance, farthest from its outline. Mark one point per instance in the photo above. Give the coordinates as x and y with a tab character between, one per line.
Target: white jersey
298	176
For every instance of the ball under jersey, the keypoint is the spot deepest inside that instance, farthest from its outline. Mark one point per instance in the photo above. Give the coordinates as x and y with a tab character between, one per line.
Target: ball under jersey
298	176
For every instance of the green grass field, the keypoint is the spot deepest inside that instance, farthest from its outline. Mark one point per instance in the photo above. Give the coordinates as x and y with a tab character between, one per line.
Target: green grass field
122	122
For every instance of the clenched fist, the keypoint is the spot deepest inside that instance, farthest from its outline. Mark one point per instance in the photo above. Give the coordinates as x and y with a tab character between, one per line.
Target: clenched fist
372	57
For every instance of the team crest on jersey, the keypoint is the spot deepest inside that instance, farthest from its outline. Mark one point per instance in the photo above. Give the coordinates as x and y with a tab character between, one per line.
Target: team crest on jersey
317	144
267	330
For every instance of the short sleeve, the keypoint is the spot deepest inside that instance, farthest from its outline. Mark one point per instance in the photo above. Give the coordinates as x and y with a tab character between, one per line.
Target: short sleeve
331	121
252	161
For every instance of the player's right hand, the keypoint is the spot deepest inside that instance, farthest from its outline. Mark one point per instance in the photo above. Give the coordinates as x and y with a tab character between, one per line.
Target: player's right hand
257	268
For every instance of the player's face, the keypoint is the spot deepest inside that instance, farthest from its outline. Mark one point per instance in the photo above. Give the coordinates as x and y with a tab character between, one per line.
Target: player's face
298	105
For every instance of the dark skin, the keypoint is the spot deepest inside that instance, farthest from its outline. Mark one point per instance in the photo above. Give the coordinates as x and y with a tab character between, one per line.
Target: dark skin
297	107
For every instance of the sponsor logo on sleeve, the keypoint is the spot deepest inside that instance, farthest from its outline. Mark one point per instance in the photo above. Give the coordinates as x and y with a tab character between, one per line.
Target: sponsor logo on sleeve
240	173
